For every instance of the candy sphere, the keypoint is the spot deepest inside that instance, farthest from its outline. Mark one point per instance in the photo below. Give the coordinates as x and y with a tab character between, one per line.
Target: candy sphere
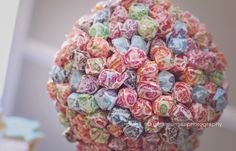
138	75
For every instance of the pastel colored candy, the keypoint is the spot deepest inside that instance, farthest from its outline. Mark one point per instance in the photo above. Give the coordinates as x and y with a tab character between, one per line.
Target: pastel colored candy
99	136
180	63
182	92
130	82
147	72
68	68
69	135
147	2
63	91
98	47
83	146
79	38
116	62
137	11
181	114
114	130
119	14
71	114
106	99
156	11
140	43
142	109
135	57
163	57
115	29
219	93
84	23
75	78
80	128
149	90
97	119
177	40
201	38
111	79
126	3
147	28
60	107
99	30
84	136
170	134
178	46
167	81
211	88
88	84
163	18
127	98
191	76
78	120
72	102
164	106
200	112
52	89
119	116
117	144
63	55
102	147
197	59
166	26
156	42
166	4
121	44
221	61
192	46
206	61
79	60
200	94
130	28
220	101
63	120
180	30
58	74
216	77
151	142
154	124
132	144
85	103
192	22
133	129
94	66
102	16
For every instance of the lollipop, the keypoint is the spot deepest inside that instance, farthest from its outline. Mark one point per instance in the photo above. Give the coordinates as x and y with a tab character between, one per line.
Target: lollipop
133	76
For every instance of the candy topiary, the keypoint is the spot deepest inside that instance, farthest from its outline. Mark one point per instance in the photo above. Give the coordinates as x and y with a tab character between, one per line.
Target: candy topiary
138	75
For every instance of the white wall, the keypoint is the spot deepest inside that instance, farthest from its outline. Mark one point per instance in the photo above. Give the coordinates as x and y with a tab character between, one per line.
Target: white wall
7	27
52	19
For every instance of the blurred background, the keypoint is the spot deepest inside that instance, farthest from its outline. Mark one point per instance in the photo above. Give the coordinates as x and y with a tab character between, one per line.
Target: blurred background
39	31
